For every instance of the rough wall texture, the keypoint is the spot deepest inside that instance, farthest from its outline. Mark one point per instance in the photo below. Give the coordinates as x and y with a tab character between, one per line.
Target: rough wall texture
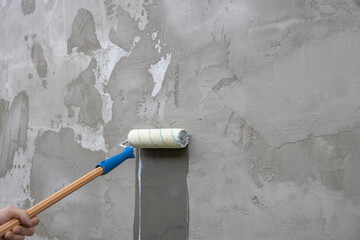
268	89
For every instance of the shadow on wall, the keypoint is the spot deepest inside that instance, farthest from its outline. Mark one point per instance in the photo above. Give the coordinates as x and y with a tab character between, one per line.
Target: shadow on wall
162	202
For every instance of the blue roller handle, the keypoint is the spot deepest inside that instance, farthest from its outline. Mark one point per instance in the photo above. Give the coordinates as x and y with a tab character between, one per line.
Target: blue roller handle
111	163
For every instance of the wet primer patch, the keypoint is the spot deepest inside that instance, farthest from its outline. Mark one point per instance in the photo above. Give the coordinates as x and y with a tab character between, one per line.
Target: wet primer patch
162	205
83	33
13	129
39	60
81	92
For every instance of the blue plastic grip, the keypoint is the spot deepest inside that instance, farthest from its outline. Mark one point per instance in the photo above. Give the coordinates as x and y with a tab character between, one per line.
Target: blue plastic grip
112	162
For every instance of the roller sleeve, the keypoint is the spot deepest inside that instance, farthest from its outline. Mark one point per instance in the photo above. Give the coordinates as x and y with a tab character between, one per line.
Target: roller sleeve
158	138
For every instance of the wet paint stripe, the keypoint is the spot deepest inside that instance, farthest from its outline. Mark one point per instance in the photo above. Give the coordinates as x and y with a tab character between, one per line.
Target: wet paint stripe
171	210
38	208
139	186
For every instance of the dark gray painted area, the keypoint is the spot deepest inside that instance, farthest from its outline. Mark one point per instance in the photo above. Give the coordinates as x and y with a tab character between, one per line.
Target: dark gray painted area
162	204
81	93
60	160
83	35
13	130
28	6
125	31
4	106
39	60
5	164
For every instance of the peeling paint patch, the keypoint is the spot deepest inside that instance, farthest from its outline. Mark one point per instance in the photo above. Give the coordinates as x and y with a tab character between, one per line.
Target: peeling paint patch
158	71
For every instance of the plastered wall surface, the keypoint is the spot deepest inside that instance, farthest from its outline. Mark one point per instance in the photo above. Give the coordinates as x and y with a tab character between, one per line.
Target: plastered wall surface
267	89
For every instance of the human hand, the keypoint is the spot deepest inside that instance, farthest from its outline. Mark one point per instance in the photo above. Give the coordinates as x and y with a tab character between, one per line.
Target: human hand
18	232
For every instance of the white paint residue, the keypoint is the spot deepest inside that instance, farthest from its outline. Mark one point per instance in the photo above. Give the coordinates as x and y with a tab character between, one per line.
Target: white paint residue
154	35
158	71
157	46
106	59
133	44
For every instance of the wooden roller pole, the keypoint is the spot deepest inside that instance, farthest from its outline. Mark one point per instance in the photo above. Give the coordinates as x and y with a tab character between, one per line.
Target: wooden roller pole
41	206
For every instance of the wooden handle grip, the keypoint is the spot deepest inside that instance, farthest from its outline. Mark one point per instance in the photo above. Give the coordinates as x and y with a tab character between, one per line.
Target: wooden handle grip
41	206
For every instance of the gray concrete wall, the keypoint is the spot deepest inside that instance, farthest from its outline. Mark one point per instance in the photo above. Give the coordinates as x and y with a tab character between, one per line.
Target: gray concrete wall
268	90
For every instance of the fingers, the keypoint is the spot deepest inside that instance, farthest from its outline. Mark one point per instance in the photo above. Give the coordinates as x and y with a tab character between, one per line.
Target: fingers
34	221
19	230
26	227
11	236
21	214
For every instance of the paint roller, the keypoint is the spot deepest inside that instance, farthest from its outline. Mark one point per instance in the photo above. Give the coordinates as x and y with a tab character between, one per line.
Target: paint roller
138	138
